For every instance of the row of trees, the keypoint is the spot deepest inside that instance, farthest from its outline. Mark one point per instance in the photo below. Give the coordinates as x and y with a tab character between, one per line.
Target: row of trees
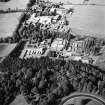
45	81
4	0
34	32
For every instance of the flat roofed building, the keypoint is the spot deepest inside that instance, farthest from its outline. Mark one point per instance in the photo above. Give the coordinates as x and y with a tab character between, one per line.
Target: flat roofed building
33	49
87	60
61	11
77	58
45	19
66	53
58	44
41	19
33	52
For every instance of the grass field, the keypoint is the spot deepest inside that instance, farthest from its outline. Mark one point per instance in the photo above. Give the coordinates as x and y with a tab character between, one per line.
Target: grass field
90	19
9	22
87	19
5	49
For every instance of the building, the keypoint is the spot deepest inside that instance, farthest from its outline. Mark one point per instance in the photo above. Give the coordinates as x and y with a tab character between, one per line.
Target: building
41	19
87	60
77	47
33	52
45	19
61	11
58	44
33	49
33	19
77	58
56	18
66	53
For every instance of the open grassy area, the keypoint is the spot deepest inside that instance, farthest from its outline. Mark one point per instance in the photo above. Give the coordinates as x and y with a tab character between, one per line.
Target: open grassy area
9	22
5	49
87	19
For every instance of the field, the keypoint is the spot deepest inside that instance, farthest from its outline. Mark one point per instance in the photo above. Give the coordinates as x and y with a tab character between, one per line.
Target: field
19	101
79	1
87	19
9	22
5	49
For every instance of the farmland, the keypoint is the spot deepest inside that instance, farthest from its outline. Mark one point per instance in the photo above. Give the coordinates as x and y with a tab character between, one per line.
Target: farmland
9	22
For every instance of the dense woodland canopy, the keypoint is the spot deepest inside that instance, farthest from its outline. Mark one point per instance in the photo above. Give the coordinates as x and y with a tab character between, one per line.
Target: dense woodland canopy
45	81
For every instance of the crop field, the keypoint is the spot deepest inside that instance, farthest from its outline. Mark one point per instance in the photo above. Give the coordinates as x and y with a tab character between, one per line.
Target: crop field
9	22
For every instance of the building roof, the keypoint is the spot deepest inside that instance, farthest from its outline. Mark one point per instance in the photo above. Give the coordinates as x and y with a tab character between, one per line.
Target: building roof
58	44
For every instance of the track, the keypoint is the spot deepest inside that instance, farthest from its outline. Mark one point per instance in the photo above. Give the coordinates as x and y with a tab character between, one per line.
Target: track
77	94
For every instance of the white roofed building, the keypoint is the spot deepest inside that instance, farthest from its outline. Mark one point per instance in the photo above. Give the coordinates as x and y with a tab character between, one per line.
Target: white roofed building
45	19
33	49
58	44
61	11
41	19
